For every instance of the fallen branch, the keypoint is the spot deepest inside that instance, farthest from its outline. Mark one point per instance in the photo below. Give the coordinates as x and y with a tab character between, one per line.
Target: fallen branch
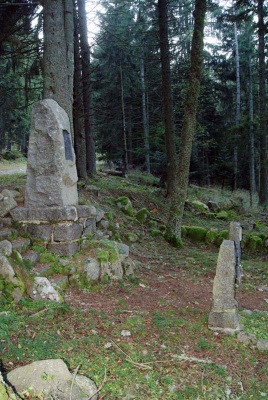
101	386
73	380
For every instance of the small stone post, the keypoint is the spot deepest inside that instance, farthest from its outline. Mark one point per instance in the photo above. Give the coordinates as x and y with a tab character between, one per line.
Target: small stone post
224	314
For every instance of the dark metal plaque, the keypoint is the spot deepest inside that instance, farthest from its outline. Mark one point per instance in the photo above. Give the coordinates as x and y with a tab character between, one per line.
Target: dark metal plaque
67	145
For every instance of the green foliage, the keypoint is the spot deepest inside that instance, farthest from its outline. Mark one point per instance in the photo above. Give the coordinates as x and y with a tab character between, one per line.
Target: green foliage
211	236
196	233
253	242
255	323
143	215
156	232
222	215
222	235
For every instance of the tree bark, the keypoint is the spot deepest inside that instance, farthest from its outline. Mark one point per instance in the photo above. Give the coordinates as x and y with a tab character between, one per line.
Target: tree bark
145	118
86	79
238	107
125	158
263	194
251	137
173	228
78	110
167	97
58	54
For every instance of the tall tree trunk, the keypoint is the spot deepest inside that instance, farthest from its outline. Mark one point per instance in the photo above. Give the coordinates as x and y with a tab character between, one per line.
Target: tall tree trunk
145	118
58	53
167	97
78	110
238	107
86	75
125	159
173	228
263	195
251	137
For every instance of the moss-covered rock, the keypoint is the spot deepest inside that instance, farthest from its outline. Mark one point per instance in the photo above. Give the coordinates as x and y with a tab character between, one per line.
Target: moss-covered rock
222	215
156	232
131	237
153	224
14	278
222	235
196	233
143	215
198	205
184	230
211	237
124	204
253	242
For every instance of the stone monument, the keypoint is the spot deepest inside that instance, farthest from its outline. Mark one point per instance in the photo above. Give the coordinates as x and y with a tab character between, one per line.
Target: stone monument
224	313
51	211
51	169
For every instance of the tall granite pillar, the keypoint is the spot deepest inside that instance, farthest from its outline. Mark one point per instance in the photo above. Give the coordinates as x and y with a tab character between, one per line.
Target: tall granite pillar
51	169
51	213
224	313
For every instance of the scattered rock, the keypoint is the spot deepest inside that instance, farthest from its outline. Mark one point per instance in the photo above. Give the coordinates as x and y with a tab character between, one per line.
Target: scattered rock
143	215
213	206
91	267
6	248
243	338
6	204
43	290
11	286
125	205
262	344
52	379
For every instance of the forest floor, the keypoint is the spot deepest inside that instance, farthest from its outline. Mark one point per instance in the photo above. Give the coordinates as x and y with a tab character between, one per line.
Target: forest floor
146	337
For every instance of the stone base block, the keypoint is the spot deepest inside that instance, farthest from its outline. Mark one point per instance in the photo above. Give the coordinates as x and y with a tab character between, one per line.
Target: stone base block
226	321
63	249
61	228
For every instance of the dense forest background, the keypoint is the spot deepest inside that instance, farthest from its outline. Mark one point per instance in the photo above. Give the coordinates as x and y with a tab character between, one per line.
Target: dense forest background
118	86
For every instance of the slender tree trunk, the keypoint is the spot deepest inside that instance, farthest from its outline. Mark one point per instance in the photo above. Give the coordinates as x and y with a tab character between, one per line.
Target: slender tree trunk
173	228
78	110
167	97
238	107
145	118
251	137
124	120
86	75
58	53
263	194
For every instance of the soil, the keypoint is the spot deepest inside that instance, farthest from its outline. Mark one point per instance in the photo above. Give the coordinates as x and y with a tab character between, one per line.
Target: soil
166	285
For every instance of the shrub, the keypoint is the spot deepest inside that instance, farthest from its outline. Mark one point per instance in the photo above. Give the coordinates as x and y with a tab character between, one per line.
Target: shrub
197	233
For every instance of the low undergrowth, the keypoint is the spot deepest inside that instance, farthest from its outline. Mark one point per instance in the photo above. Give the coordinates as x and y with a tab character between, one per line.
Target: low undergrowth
148	338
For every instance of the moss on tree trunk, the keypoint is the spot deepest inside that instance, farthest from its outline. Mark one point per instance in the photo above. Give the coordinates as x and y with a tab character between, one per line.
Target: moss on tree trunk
173	228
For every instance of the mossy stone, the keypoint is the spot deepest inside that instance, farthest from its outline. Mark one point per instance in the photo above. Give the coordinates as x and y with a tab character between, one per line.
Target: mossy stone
124	204
222	215
184	230
222	235
197	233
211	237
156	232
254	242
131	237
143	215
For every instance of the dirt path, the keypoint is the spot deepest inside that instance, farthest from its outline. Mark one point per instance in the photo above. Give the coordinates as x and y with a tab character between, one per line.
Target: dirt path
9	168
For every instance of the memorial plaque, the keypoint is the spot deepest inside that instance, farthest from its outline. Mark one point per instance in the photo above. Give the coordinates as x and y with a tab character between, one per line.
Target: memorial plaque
67	145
